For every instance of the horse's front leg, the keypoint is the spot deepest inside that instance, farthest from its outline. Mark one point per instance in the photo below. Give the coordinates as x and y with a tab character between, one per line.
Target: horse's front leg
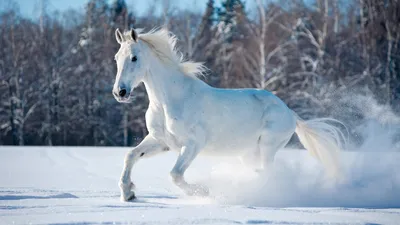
148	147
187	155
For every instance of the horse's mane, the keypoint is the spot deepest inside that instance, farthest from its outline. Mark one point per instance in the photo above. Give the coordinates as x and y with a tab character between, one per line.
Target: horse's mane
163	44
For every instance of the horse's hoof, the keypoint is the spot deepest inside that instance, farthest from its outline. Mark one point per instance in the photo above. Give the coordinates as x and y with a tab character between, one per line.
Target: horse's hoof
127	193
128	197
131	197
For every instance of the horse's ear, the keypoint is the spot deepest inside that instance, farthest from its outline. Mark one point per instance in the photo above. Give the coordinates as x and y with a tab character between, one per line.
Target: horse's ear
118	36
134	35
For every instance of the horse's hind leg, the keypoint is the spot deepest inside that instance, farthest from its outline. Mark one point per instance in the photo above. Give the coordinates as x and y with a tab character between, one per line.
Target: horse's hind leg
269	144
251	159
279	126
276	134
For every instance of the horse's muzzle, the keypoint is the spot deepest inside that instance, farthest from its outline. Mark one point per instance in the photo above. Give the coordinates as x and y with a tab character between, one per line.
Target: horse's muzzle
124	98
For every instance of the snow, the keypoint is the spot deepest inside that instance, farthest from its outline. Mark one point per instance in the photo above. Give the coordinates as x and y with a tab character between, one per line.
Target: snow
67	185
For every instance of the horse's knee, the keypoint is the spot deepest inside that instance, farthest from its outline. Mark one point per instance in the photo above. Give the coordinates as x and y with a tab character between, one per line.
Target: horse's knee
134	153
129	156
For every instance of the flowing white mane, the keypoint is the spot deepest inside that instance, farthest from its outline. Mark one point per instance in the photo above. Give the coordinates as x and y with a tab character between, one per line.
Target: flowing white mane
163	44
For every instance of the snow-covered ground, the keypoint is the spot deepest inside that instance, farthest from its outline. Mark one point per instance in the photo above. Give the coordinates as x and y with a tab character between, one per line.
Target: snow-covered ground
60	185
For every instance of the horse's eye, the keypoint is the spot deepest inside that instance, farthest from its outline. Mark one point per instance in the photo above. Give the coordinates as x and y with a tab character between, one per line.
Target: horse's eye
134	59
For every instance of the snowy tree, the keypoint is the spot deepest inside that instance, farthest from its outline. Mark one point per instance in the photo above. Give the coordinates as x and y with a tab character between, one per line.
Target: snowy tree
120	15
265	58
231	18
204	43
380	21
57	71
18	95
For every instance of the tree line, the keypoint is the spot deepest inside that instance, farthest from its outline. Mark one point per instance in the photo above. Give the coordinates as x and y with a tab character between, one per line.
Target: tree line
57	72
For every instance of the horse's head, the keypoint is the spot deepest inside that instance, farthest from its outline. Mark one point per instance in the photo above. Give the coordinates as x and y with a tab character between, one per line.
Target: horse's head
130	66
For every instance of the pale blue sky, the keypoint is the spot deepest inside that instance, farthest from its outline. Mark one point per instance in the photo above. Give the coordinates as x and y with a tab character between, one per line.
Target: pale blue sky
31	8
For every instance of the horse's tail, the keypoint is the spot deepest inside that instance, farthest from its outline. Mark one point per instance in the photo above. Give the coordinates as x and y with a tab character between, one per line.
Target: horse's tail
323	140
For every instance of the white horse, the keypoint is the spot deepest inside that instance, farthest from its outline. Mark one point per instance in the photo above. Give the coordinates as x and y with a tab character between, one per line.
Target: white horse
189	116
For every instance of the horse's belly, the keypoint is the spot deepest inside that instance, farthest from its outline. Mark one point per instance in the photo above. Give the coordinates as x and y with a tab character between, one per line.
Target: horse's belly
232	148
234	141
233	130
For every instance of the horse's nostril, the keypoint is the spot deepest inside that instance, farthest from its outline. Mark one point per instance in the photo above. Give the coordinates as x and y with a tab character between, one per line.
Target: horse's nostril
122	92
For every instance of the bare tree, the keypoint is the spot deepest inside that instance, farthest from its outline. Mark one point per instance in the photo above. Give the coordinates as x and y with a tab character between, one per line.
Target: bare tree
56	73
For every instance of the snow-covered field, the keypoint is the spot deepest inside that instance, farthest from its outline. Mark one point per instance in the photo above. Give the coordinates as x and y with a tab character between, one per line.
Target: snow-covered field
60	185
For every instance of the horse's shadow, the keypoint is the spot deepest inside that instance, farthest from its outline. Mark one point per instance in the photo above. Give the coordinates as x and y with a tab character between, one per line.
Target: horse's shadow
23	197
158	197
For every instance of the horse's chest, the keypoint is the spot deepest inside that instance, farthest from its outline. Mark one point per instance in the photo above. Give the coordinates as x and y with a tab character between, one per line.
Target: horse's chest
164	128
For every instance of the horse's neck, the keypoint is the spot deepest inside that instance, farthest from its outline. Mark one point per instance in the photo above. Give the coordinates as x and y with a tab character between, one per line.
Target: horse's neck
166	87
